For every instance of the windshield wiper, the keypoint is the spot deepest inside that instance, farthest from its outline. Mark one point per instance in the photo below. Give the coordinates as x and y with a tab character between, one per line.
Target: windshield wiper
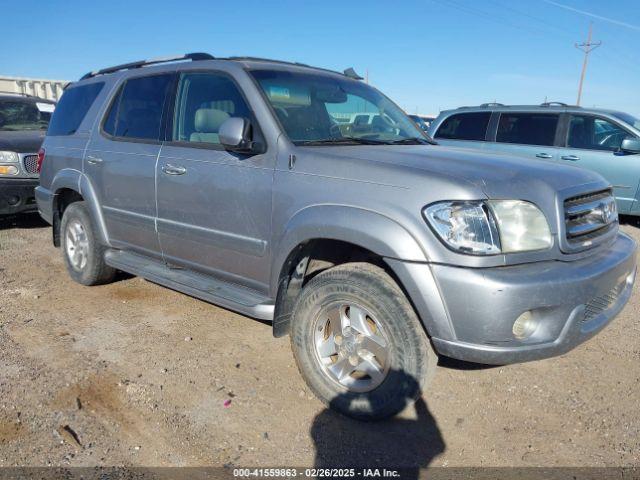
343	141
412	141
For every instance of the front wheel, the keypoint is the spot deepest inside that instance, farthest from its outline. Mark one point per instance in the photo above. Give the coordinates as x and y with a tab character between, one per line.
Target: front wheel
83	254
358	342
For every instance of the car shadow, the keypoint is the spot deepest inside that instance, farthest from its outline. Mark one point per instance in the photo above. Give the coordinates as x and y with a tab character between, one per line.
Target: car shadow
395	443
22	221
455	364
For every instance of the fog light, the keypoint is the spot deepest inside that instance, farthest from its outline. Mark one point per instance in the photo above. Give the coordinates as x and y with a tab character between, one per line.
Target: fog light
524	326
13	200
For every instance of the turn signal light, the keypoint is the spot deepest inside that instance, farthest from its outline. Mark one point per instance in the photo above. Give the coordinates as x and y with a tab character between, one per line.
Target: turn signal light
8	170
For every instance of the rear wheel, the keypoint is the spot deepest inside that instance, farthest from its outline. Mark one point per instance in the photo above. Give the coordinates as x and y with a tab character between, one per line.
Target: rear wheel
358	342
83	255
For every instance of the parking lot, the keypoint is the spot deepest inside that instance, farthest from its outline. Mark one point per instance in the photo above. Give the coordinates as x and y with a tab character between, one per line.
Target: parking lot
133	373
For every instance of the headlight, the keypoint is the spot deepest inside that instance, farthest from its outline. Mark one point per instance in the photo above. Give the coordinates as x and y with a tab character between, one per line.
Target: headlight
9	157
523	227
489	228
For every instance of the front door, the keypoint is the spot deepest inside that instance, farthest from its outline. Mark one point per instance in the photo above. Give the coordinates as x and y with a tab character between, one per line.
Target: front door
594	142
214	206
121	162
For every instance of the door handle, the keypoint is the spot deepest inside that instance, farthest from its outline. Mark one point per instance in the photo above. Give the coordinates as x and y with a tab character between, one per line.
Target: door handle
544	155
173	169
572	158
93	160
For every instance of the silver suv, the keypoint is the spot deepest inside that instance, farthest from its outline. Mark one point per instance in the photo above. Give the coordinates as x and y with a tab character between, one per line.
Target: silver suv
250	184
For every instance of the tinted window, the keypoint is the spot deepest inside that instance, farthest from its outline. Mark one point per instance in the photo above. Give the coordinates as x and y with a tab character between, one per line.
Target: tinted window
465	126
21	114
594	133
72	108
136	112
527	128
204	102
327	109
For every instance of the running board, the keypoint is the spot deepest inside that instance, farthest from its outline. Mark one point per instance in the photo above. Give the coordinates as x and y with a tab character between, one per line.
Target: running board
218	292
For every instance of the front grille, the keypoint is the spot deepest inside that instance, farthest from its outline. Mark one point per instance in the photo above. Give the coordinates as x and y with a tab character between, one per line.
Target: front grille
30	163
589	216
599	304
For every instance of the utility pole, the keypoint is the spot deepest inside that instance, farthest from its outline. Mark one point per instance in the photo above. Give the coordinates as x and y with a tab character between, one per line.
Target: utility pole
587	47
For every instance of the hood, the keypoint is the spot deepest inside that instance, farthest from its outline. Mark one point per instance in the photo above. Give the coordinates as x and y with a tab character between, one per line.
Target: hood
26	141
497	175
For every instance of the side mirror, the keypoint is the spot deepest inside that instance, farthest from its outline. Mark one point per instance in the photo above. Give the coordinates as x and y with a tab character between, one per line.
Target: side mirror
631	145
235	134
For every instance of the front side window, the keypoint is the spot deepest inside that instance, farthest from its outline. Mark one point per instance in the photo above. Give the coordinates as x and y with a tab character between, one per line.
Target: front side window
593	133
527	128
326	109
136	112
72	108
465	126
204	102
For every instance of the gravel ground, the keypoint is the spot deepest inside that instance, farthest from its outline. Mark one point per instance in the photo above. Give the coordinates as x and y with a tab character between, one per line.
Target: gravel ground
135	374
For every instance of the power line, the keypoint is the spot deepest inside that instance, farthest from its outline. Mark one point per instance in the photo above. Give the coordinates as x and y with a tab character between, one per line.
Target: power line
587	47
593	15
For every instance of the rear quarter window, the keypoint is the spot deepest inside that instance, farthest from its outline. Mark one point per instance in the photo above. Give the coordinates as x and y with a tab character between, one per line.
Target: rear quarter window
465	126
72	108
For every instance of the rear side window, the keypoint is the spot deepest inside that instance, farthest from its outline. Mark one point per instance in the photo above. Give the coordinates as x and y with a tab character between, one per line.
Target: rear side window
465	126
136	111
527	128
72	108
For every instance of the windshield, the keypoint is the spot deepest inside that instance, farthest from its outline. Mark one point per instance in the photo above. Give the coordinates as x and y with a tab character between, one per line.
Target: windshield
20	115
629	119
326	109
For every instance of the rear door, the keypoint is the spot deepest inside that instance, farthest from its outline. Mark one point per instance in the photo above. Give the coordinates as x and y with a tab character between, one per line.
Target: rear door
465	130
528	134
121	159
594	142
214	205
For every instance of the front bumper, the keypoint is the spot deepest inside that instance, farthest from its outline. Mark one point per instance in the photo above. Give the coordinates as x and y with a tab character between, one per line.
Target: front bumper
17	195
569	301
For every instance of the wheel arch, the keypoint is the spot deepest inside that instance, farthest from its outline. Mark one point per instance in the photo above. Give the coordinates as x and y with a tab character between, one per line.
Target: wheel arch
70	186
323	236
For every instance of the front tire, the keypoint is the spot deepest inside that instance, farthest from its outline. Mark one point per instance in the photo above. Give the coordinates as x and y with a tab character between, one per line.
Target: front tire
82	253
358	342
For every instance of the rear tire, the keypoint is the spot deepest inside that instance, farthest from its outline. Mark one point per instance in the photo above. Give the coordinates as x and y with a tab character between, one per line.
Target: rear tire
82	252
358	342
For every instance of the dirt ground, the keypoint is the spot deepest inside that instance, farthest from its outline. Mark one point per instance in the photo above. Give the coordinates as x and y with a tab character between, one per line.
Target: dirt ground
135	374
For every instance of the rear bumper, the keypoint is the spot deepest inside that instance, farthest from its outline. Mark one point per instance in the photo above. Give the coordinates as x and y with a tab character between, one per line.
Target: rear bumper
17	195
569	301
44	200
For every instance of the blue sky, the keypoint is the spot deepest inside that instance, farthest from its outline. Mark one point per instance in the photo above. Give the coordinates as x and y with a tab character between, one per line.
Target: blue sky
427	55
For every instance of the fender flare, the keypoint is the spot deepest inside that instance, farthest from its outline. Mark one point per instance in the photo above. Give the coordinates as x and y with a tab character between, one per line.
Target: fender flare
367	229
78	182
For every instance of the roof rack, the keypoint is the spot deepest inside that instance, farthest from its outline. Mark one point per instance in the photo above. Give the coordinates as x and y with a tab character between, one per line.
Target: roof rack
492	104
262	59
553	104
349	72
18	94
143	63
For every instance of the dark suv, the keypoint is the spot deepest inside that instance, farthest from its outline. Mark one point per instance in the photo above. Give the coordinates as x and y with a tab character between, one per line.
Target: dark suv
23	122
307	198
